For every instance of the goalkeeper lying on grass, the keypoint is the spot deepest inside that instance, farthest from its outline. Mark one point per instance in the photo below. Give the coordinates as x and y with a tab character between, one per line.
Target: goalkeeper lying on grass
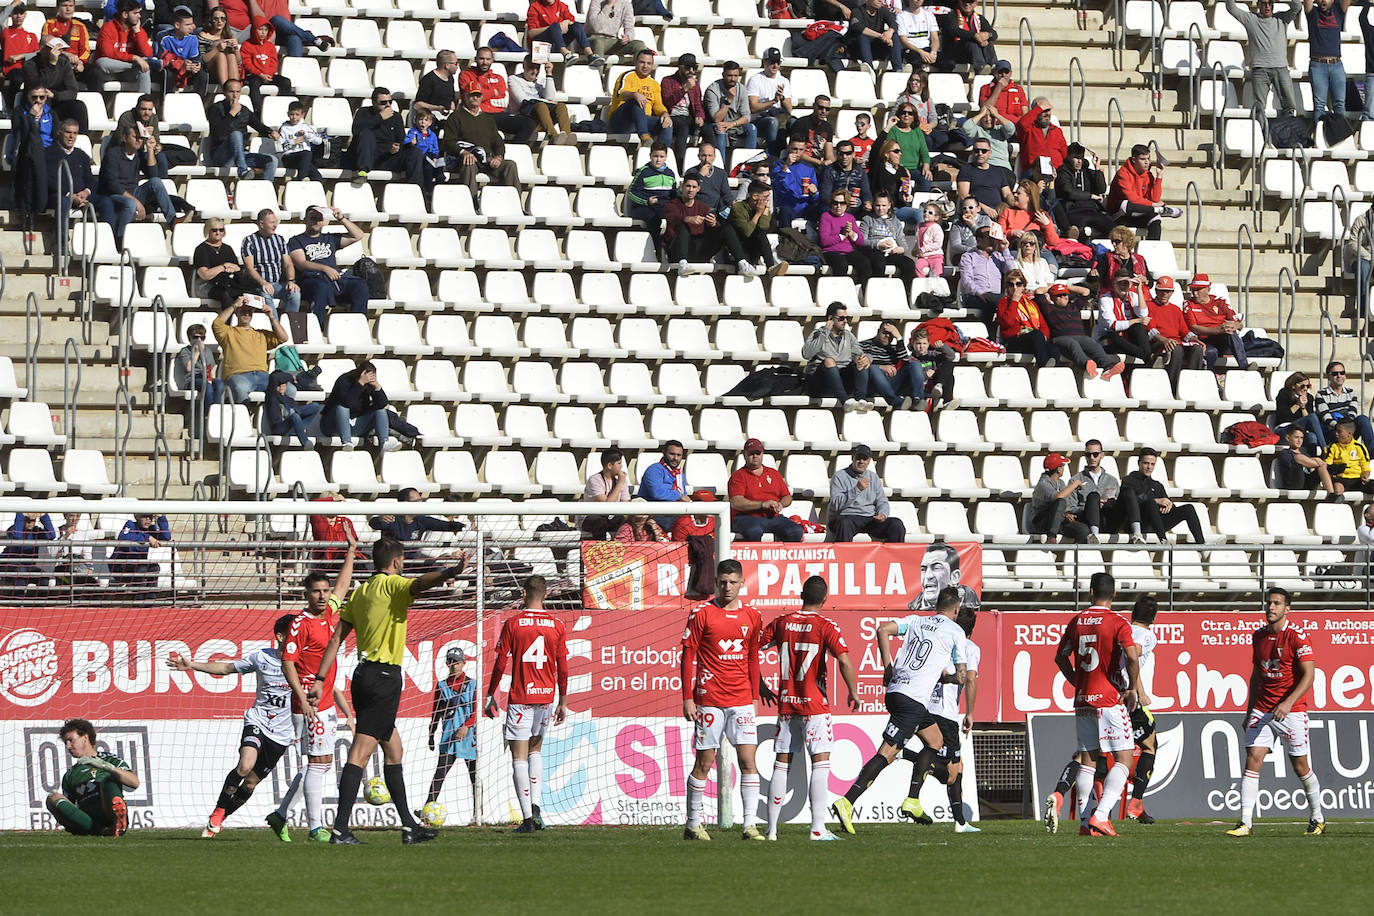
91	802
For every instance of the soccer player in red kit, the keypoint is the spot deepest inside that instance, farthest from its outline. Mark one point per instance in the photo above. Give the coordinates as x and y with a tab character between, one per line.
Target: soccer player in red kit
1285	668
1094	653
536	642
720	679
806	640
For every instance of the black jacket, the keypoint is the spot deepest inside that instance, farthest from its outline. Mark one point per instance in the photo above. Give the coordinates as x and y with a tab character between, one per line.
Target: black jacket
58	77
222	123
1141	487
357	398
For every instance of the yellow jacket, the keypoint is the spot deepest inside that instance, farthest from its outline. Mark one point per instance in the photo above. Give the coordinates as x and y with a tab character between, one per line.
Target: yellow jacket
1354	456
630	81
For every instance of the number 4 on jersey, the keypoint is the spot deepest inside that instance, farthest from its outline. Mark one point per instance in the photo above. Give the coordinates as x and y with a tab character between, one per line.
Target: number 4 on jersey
535	654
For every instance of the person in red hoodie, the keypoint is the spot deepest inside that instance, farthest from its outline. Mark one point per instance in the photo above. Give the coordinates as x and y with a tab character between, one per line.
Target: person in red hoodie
123	52
1040	137
260	64
552	21
1023	328
20	44
1136	192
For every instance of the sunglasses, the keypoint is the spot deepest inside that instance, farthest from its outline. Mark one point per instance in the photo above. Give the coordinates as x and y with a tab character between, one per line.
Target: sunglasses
384	101
1336	372
1093	454
1015	283
214	231
197	336
982	151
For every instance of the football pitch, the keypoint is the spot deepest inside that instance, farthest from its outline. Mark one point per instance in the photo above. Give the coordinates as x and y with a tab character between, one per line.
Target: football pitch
1012	866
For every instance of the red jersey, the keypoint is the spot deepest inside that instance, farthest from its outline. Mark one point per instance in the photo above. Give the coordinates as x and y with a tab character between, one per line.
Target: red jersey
720	657
862	146
495	93
1276	659
762	487
1208	314
805	642
1098	639
305	644
536	643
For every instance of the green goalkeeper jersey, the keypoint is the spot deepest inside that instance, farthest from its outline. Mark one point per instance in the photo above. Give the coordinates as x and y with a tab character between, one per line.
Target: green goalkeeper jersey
82	782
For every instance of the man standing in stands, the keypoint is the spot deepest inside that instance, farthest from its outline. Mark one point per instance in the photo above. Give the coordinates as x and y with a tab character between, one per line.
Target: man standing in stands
1325	22
1266	44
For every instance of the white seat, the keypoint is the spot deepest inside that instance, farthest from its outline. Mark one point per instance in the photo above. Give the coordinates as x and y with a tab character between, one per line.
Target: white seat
584	380
507	472
1333	522
31	423
954	476
306	469
437	379
30	469
230	426
250	469
815	428
558	473
353	473
959	428
432	420
1240	522
1287	522
948	521
806	474
455	472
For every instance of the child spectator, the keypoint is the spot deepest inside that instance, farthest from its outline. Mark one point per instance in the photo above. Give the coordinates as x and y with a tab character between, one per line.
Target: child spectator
298	142
863	143
935	367
281	414
1348	461
179	51
1294	468
423	138
260	64
930	244
650	190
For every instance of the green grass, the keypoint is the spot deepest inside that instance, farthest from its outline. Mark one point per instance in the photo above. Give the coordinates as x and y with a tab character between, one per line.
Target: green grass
1012	867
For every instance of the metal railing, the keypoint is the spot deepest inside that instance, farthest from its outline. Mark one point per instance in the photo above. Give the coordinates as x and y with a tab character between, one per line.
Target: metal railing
1245	243
1114	147
1287	287
1192	202
86	224
163	337
123	421
1025	34
71	389
33	339
1078	91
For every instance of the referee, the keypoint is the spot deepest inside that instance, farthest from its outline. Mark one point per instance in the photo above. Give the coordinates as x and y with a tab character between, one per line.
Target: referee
376	613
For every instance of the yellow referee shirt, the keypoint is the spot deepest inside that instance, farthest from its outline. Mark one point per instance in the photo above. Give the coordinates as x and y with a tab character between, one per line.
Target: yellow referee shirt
377	612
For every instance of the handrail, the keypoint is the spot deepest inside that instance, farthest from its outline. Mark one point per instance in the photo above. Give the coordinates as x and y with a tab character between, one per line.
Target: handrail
162	337
70	354
1243	279
1364	239
1325	323
85	299
33	338
124	424
1191	197
125	312
66	186
1076	99
226	404
1024	30
1119	33
1114	149
1288	287
1340	216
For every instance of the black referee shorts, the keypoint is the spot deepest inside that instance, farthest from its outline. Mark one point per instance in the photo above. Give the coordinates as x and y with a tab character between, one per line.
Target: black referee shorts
905	718
376	693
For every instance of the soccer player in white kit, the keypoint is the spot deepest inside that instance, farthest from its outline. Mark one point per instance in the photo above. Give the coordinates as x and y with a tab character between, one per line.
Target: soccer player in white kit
1143	614
1276	713
720	682
806	640
267	727
535	641
930	645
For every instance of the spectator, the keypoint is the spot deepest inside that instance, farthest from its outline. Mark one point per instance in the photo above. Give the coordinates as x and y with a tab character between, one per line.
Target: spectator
267	264
1266	47
1367	33
1170	337
120	168
1211	318
1358	255
22	566
770	99
649	192
1134	198
611	484
314	257
179	51
980	272
423	138
130	568
928	119
230	121
1336	401
831	9
1019	322
1066	333
261	66
752	220
552	21
858	504
1121	259
727	105
298	142
473	140
640	528
281	415
1123	319
836	366
217	272
332	529
1325	22
988	184
122	51
33	133
193	369
842	243
1348	460
611	29
967	38
682	97
1156	510
758	495
664	480
758	171
873	37
19	44
292	38
1365	531
912	142
220	46
1004	94
652	8
1023	214
75	552
637	101
52	70
438	89
379	135
696	232
815	128
933	371
73	32
846	174
988	124
357	405
1095	502
534	96
1040	276
81	190
715	189
143	116
495	96
1295	406
892	375
1294	469
1080	188
884	234
1041	139
410	530
863	143
1052	501
243	348
962	230
794	185
918	35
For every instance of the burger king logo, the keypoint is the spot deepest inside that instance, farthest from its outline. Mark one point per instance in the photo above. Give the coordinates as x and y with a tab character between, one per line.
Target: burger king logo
28	668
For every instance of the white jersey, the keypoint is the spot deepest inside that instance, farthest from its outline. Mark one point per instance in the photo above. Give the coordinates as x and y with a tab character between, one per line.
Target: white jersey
931	644
1145	638
944	701
271	709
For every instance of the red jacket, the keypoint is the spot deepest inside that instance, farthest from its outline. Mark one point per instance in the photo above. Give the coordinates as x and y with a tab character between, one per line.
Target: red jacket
116	42
686	526
19	43
541	16
1035	143
322	528
260	59
73	33
1142	188
1208	314
1011	104
1022	314
495	92
1168	320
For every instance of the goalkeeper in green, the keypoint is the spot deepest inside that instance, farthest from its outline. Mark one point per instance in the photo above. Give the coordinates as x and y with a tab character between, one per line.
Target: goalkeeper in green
91	802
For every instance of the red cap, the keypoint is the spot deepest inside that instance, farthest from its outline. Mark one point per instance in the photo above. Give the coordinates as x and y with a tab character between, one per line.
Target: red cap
1199	281
704	496
1059	289
1054	461
1164	281
752	445
469	82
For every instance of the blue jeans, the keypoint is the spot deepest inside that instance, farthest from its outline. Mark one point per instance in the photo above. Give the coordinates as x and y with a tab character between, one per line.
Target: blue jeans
1327	79
304	164
908	382
242	384
210	390
837	383
232	150
631	118
1362	282
286	301
337	423
323	293
871	50
291	36
749	138
754	527
560	40
766	126
295	423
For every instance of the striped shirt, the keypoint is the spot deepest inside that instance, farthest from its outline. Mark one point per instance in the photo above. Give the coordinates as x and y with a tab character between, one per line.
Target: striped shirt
267	252
885	354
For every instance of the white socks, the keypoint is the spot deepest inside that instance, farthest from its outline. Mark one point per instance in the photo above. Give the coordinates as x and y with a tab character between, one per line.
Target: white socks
1111	790
1083	788
1249	792
1314	794
289	799
820	794
749	797
696	788
520	771
314	793
777	791
536	778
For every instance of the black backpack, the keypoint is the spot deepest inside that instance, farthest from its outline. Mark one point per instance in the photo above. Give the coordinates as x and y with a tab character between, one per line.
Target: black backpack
367	270
1335	128
1289	132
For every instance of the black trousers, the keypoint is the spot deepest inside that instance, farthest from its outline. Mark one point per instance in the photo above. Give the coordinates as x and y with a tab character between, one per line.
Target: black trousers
1161	522
890	530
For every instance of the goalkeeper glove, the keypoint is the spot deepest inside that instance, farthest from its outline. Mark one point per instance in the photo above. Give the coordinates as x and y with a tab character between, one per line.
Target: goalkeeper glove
98	763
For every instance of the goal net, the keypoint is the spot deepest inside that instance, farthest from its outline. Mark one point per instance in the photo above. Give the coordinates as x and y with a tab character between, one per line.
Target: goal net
89	617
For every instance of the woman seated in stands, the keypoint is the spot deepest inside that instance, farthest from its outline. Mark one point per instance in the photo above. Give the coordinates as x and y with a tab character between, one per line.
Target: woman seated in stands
1123	319
889	176
219	48
640	528
1040	276
926	119
357	405
1024	215
1295	405
1121	259
1022	326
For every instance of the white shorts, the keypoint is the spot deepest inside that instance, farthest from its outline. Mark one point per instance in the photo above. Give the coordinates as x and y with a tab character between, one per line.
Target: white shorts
1263	730
524	722
736	723
815	730
1106	728
317	738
